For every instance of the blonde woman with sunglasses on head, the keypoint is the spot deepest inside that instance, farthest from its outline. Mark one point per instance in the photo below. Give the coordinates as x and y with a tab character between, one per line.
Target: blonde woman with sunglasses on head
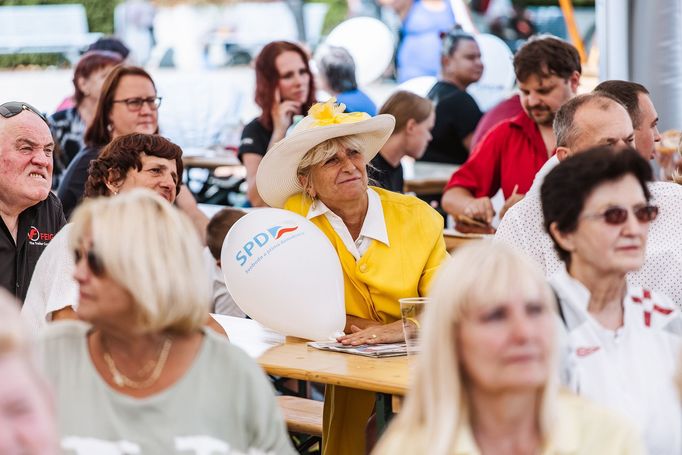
486	380
622	341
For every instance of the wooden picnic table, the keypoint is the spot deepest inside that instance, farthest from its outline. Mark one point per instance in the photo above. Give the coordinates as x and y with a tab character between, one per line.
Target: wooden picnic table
292	358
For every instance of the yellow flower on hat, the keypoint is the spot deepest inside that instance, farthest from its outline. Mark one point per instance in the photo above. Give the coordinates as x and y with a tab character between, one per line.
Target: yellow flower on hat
330	113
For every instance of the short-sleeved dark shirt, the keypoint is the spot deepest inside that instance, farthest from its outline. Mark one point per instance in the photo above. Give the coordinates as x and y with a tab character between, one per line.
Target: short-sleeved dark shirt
255	139
386	176
72	186
457	115
37	226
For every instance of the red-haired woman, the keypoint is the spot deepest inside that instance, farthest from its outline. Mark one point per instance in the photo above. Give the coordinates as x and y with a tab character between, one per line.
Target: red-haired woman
284	88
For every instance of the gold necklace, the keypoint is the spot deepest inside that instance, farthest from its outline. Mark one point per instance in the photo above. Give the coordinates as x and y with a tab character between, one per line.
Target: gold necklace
122	380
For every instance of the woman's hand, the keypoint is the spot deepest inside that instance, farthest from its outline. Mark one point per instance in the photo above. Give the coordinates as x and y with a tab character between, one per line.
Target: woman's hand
386	333
282	114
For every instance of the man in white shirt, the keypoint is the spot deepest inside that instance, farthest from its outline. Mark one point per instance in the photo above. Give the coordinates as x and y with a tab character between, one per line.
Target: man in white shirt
583	122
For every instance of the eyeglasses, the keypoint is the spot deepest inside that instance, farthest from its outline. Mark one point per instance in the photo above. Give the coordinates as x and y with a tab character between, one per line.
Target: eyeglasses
12	108
94	262
135	104
618	215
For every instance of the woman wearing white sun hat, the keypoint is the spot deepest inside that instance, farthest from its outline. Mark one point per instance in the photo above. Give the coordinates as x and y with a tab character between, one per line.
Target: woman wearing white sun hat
389	245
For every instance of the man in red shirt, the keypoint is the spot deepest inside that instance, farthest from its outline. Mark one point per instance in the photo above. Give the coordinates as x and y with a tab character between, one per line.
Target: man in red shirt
548	72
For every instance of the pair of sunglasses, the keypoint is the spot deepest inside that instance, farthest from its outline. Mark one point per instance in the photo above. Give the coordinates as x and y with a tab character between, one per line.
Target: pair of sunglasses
617	215
12	108
94	262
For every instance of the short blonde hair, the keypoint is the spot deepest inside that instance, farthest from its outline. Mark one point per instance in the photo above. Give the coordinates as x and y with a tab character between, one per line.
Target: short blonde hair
16	340
437	407
13	331
151	249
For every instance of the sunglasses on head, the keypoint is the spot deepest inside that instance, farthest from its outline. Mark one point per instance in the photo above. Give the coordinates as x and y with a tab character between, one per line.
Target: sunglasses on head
94	262
12	108
618	215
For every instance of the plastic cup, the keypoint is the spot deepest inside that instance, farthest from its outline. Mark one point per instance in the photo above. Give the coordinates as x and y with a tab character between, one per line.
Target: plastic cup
411	310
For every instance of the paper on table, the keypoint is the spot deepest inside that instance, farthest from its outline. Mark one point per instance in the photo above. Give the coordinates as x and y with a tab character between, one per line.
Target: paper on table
366	350
249	335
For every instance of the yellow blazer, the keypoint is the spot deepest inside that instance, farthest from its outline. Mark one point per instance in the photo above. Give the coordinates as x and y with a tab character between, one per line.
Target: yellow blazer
385	274
372	288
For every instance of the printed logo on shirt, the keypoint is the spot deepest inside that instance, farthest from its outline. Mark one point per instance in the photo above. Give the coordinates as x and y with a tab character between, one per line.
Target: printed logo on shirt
246	141
263	243
35	237
584	352
649	307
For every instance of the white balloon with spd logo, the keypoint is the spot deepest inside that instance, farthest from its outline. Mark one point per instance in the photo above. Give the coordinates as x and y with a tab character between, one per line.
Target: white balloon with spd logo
284	273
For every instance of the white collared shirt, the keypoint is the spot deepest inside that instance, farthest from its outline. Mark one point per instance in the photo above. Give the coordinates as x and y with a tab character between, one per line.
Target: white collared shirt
373	228
631	369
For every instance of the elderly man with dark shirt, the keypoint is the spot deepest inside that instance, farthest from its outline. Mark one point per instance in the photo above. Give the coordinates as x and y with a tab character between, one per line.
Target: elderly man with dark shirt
30	214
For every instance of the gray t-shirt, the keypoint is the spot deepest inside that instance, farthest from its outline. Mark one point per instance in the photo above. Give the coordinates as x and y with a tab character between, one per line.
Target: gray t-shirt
222	405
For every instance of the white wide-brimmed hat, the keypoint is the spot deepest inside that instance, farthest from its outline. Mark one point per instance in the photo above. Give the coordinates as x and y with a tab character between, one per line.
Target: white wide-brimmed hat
276	178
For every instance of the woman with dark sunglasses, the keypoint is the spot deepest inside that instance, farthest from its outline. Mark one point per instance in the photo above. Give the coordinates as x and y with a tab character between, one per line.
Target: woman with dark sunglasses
139	372
622	341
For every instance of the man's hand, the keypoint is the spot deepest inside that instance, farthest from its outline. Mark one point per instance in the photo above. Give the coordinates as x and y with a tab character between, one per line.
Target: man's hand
480	209
513	199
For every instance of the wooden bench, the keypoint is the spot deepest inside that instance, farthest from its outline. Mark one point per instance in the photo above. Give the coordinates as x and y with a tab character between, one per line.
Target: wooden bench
301	415
61	29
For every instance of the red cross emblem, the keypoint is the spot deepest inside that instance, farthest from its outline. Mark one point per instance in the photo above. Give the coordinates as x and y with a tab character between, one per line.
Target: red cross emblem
649	306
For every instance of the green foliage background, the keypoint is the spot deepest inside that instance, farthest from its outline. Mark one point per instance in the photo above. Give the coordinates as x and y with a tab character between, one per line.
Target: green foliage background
100	19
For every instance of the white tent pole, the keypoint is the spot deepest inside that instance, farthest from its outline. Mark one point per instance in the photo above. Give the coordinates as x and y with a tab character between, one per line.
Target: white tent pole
656	56
612	38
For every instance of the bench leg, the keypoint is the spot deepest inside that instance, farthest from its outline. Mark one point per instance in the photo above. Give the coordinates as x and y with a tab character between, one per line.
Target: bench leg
384	412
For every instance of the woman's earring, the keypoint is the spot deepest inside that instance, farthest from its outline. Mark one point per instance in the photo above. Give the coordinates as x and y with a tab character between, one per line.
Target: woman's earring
110	128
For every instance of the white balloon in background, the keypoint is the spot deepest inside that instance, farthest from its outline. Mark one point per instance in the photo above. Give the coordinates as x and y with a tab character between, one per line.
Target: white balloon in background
420	85
283	272
498	75
369	41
